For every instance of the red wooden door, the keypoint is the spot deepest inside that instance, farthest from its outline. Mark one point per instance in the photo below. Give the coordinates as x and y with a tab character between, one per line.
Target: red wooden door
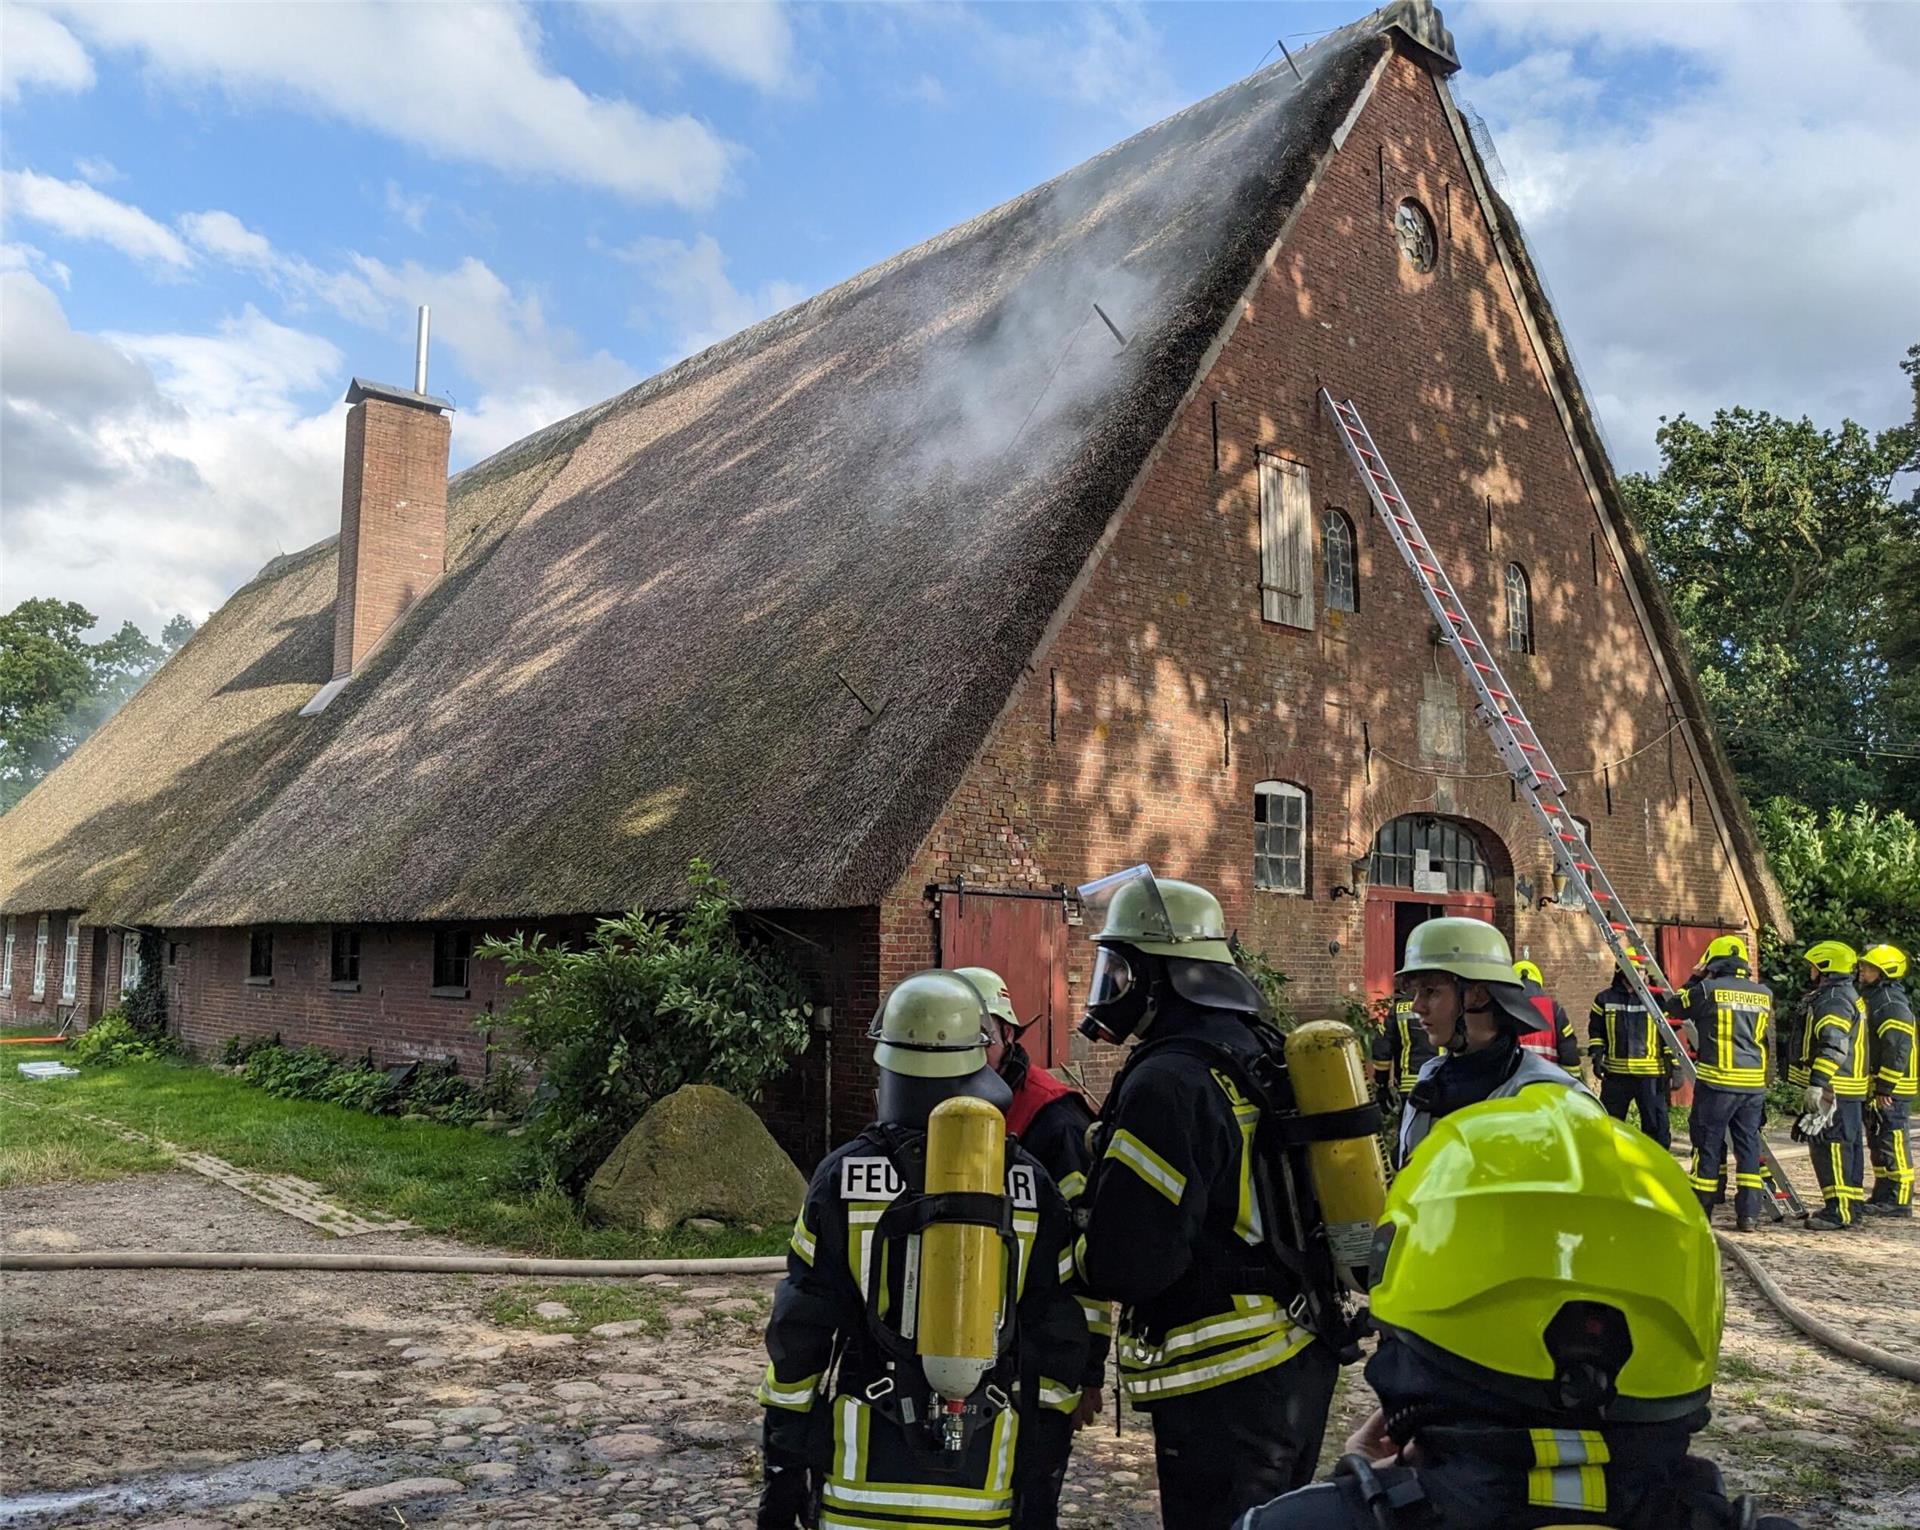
1392	913
1024	939
1681	946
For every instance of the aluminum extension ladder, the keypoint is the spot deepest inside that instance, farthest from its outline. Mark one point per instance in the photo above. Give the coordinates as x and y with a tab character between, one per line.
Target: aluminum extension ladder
1524	756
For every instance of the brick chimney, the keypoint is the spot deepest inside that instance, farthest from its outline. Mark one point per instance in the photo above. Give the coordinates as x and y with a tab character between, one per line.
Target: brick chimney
393	513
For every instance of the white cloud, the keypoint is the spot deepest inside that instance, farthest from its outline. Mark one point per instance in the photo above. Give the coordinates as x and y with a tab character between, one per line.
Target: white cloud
690	285
96	171
76	210
16	256
745	40
36	50
225	237
410	210
148	474
465	82
1742	236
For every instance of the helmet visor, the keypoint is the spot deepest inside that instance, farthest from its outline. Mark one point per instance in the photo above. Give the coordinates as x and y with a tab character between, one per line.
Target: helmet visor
1137	893
1112	978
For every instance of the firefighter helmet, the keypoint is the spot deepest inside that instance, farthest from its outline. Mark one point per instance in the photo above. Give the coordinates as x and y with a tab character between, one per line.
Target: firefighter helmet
933	1025
1891	960
1727	945
993	990
1538	1248
1832	956
1468	948
1160	917
1525	970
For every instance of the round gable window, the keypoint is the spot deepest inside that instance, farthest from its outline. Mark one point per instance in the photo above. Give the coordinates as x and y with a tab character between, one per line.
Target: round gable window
1414	229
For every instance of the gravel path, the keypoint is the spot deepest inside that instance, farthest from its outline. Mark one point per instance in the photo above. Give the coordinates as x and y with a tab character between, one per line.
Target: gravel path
208	1400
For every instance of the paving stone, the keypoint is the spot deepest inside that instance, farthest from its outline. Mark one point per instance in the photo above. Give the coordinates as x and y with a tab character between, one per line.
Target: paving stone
418	1427
621	1330
628	1445
553	1312
480	1413
491	1471
579	1391
404	1491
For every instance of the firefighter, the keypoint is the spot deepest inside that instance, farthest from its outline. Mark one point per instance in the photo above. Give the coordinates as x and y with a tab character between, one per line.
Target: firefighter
854	1438
1561	1381
1553	1038
1461	975
1896	1078
1628	1058
1400	1050
1050	1119
1728	1015
1832	1068
1238	1391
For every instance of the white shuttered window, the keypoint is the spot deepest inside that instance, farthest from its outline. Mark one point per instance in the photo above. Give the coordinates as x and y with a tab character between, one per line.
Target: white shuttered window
40	959
6	963
1286	543
70	971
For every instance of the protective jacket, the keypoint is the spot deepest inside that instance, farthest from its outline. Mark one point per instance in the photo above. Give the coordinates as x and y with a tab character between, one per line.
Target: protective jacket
835	1403
1895	1056
1050	1119
1456	1079
1401	1049
1174	1231
1731	1016
1621	1033
1554	1039
1833	1042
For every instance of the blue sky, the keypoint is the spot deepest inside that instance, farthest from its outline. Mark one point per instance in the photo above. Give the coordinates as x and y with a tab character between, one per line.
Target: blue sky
215	214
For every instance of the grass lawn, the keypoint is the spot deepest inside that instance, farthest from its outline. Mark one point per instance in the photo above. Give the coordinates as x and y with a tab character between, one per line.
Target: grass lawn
447	1179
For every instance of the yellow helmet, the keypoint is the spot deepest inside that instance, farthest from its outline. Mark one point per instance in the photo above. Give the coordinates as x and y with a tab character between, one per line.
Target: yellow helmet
1727	945
1468	948
1833	956
1541	1249
993	989
932	1025
1525	969
1891	960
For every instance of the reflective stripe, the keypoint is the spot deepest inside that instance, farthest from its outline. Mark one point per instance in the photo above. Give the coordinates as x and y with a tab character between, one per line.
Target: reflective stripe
1066	1265
1072	1184
1567	1469
1198	1375
1062	1399
1750	1181
802	1242
1149	1165
1099	1315
1025	1225
850	1436
1252	1315
796	1396
1246	1115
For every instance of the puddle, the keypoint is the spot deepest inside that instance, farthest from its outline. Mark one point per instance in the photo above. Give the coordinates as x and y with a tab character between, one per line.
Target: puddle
205	1489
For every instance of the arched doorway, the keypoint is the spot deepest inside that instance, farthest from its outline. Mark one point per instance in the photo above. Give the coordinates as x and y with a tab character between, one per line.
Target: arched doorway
1424	866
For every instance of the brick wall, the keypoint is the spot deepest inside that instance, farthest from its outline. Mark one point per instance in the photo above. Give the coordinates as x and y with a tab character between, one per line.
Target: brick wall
393	520
1142	729
19	1006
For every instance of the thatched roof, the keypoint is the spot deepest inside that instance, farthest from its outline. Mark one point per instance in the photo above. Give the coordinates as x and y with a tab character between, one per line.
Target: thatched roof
762	608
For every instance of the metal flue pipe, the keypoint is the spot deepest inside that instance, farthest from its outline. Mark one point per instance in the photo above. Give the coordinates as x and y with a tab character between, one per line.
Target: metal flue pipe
420	354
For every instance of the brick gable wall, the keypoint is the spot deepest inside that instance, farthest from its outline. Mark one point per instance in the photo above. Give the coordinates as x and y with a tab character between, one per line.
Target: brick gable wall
1142	729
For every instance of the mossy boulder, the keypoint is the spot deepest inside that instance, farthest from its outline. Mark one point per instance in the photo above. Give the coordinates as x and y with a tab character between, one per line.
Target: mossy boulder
698	1153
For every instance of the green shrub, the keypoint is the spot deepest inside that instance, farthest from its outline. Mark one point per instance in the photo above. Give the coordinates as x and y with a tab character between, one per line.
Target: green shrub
307	1073
646	1005
112	1040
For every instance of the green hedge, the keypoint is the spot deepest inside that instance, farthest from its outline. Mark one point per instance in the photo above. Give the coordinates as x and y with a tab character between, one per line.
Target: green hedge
434	1089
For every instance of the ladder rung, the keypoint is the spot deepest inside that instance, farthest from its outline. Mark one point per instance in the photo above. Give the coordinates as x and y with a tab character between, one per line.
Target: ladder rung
1484	668
1530	748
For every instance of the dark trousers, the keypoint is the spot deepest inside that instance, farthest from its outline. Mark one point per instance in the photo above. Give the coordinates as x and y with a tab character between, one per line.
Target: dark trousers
1893	1157
1222	1451
1043	1468
1718	1114
1646	1090
1840	1161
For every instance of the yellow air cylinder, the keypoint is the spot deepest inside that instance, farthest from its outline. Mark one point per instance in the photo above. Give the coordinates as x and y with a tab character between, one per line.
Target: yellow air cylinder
1350	1173
963	1266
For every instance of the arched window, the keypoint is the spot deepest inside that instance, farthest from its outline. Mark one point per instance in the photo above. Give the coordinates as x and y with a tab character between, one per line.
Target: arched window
1429	855
1280	837
1336	552
1519	610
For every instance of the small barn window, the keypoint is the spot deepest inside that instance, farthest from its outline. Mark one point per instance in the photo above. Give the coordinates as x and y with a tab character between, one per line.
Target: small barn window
70	968
41	940
1519	610
260	956
1337	553
345	963
6	962
129	960
1286	543
1413	228
452	951
1280	837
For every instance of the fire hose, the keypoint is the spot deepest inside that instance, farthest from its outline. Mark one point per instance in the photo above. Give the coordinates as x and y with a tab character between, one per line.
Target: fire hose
391	1264
1817	1329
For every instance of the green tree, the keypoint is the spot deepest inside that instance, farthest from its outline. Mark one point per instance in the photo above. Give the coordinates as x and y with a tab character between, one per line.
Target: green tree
648	1003
1773	538
56	687
1847	874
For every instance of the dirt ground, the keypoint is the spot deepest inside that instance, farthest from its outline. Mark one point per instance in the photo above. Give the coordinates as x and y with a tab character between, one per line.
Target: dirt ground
205	1400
